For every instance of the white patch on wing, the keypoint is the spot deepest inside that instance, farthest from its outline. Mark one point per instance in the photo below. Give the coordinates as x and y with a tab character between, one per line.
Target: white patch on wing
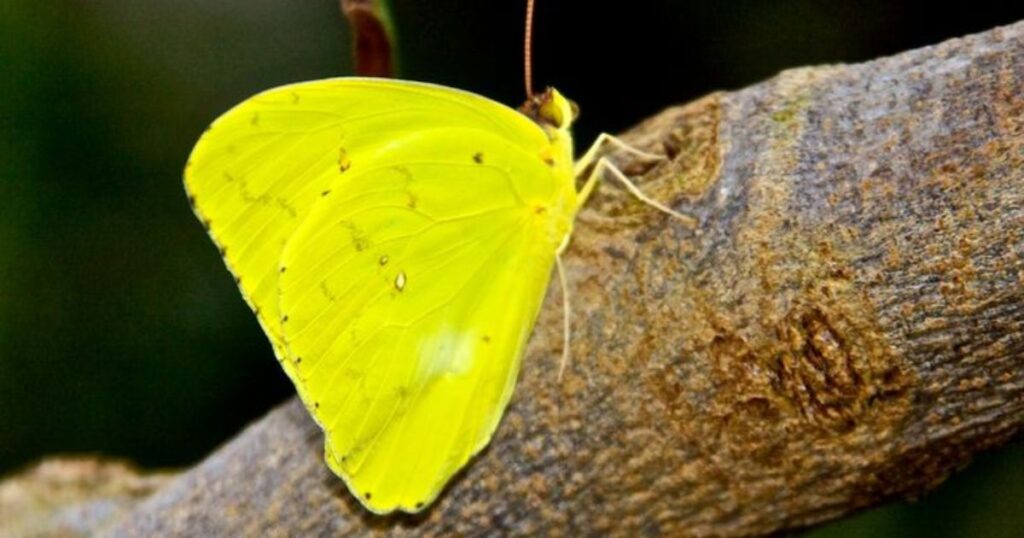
448	352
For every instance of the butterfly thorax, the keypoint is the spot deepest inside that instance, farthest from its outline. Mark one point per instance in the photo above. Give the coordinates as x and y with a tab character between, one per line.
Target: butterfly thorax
554	113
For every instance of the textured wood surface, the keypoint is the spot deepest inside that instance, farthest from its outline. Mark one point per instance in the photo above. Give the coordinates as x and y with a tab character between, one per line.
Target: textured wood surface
69	497
847	326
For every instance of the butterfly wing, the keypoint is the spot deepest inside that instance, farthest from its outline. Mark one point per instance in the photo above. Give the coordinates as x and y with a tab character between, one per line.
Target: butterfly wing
406	233
408	295
256	173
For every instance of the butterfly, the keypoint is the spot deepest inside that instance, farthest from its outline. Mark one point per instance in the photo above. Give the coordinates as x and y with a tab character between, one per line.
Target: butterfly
395	240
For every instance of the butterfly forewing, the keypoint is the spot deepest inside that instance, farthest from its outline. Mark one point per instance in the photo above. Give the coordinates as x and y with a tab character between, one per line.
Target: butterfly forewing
258	170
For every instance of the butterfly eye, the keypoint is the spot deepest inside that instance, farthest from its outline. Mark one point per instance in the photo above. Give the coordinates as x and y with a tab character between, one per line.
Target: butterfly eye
575	109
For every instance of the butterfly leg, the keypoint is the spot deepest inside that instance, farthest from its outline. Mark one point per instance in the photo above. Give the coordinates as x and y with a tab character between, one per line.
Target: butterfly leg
594	152
601	163
566	316
605	165
592	155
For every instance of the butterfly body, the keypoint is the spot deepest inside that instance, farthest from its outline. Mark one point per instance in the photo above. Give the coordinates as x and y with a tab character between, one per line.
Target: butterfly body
396	240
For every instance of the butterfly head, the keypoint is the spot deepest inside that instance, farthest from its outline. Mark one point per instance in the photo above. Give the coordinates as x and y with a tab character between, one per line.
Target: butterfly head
551	110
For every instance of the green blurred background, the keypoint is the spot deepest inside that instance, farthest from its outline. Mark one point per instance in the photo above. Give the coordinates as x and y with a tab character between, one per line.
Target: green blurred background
120	331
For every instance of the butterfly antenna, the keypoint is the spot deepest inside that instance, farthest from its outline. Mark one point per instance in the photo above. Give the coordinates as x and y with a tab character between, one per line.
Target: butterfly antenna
527	50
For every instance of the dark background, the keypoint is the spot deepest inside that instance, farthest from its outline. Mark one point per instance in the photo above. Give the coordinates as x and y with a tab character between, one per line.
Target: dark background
120	331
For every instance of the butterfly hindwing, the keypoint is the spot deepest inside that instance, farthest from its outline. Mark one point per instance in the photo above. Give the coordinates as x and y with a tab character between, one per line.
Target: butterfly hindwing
409	293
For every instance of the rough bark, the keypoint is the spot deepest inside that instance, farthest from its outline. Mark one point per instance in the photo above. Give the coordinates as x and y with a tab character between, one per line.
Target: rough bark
846	326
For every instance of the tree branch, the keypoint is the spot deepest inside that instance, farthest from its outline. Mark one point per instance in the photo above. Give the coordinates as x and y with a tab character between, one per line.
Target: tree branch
373	52
846	327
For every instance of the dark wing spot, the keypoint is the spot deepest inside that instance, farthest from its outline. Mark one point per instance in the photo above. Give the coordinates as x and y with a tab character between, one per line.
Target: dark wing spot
478	158
316	405
359	240
250	197
192	201
298	360
284	319
206	224
368	495
411	202
287	207
326	292
487	338
419	505
404	172
238	279
549	161
283	268
295	98
255	121
326	192
223	251
343	162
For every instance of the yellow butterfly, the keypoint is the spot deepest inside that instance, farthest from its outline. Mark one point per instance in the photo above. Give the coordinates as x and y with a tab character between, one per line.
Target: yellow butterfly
395	240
